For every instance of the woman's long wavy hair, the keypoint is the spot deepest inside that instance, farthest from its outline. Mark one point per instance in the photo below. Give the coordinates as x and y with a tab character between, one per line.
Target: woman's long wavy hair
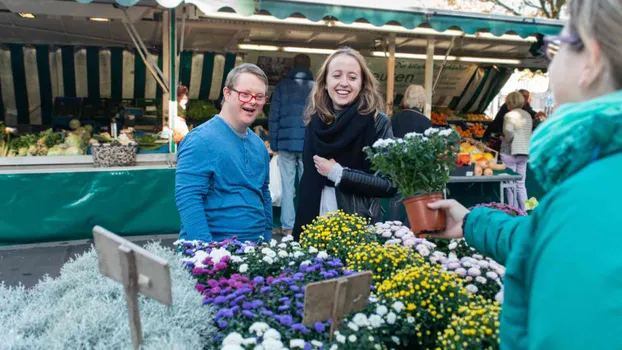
321	105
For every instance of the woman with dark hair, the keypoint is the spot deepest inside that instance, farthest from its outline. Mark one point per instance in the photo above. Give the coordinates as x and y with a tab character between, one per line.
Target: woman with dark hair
343	116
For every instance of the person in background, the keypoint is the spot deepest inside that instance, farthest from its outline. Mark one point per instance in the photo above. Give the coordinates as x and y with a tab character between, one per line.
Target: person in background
344	116
410	119
563	281
517	127
287	132
222	178
180	128
496	126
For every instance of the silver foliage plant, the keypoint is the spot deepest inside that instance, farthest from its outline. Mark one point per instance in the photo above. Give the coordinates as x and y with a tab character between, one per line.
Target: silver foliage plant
82	309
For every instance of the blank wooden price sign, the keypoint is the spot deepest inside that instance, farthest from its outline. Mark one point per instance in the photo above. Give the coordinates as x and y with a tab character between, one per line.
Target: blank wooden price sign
336	298
138	270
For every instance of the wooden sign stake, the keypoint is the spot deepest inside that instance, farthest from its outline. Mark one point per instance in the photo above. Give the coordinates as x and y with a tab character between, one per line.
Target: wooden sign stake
138	270
130	285
336	298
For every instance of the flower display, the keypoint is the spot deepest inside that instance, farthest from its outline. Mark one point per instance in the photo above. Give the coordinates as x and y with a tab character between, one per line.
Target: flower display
506	208
383	260
475	326
424	294
336	233
429	294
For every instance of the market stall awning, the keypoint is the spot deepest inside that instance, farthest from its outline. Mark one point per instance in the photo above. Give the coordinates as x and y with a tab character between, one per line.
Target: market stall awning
349	11
243	7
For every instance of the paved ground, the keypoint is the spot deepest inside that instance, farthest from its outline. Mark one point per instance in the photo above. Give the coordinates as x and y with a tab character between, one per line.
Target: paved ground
27	264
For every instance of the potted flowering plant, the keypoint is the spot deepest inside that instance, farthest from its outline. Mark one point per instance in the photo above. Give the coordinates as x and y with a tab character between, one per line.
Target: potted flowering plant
419	165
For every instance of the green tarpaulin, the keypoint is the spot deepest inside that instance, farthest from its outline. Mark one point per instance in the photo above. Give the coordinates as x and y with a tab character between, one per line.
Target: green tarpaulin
66	205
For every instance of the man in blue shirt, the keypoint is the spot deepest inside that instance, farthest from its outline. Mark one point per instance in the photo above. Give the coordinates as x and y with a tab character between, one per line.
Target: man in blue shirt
287	131
222	178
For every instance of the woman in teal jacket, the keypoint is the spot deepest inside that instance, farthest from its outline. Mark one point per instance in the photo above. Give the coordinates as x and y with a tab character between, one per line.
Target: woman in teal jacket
563	283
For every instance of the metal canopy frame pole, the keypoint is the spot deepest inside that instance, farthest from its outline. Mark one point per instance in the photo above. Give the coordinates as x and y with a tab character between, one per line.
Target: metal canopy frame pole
440	71
172	104
391	75
429	71
144	53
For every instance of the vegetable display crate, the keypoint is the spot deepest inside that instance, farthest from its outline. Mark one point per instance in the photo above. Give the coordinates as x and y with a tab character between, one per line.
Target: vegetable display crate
114	155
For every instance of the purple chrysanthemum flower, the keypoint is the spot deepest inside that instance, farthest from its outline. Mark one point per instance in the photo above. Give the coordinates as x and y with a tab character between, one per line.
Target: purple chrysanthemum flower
248	314
219	300
247	306
265	289
319	327
222	324
299	276
257	303
300	328
259	280
267	312
299	295
294	288
284	300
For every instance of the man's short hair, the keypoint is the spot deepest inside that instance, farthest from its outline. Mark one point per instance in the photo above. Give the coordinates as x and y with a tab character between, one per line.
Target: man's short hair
245	68
302	60
525	93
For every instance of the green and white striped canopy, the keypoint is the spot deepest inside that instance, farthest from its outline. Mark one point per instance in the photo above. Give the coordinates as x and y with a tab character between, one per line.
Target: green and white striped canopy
349	11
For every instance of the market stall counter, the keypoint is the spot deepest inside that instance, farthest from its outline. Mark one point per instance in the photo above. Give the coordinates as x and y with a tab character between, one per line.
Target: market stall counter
63	202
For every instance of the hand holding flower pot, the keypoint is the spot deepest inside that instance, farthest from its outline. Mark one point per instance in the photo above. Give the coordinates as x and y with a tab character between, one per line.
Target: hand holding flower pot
419	165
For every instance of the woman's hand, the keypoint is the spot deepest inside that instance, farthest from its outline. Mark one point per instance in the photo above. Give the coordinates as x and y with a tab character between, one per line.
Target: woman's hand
323	165
454	215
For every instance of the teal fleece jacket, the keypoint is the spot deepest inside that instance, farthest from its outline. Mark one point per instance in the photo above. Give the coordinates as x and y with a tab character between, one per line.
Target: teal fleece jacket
563	282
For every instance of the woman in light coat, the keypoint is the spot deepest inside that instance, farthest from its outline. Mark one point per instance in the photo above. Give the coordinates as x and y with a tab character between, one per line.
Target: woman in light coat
517	126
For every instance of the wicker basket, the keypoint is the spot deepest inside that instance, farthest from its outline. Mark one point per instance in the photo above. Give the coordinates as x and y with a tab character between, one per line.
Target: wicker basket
106	155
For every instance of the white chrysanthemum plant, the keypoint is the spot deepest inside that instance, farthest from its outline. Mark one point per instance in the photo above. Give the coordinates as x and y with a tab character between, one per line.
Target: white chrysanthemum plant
420	166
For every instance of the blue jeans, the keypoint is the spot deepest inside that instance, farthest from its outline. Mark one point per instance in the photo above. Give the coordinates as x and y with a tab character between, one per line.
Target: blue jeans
290	163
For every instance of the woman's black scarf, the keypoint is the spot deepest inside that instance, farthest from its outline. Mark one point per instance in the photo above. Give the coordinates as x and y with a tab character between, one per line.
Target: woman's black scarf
342	140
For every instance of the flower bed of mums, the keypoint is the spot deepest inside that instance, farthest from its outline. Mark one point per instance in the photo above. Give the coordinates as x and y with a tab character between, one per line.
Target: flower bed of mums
422	297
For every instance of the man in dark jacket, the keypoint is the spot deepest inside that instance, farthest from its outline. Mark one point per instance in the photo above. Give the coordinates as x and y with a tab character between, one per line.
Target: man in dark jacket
497	125
287	131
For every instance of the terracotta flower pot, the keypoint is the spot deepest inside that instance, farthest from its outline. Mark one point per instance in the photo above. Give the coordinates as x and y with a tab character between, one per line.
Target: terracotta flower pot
423	219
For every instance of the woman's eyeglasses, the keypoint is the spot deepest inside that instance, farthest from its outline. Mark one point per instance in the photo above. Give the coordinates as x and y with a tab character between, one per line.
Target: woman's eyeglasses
552	44
246	97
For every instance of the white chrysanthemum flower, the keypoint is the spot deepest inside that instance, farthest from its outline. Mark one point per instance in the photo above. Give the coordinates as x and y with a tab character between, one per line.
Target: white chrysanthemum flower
375	321
268	260
461	271
268	252
352	338
317	344
483	264
283	254
282	246
452	245
423	250
243	268
298	254
312	250
322	255
381	310
258	328
232	347
287	238
272	334
249	250
360	320
236	259
474	271
391	318
353	326
398	306
341	339
233	339
270	344
306	262
492	275
410	319
297	343
471	288
499	297
481	279
396	340
273	243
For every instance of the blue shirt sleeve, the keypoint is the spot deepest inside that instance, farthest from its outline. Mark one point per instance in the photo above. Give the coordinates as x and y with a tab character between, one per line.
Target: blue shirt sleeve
267	201
195	170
